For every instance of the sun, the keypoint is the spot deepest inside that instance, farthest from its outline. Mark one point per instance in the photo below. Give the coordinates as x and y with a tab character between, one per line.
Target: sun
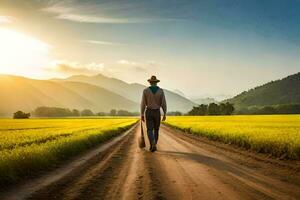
21	54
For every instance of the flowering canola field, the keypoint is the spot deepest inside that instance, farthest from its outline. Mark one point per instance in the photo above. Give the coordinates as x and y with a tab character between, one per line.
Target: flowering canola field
32	145
278	135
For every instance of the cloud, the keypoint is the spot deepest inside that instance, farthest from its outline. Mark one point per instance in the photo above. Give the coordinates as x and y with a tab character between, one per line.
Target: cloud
77	13
126	62
140	67
146	64
98	42
5	19
113	69
104	20
104	12
67	67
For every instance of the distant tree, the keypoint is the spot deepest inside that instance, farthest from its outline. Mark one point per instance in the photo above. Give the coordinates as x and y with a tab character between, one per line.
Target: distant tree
123	113
175	113
203	109
288	109
194	111
199	110
213	109
253	110
223	109
75	112
226	108
87	112
267	110
135	113
273	109
44	111
21	115
113	112
101	114
229	108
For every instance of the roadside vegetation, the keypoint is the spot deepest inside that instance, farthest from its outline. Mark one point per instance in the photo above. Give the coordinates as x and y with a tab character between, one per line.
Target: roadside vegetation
31	145
278	135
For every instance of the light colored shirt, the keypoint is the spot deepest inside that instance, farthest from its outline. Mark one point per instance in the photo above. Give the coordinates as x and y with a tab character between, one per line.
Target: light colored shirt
153	101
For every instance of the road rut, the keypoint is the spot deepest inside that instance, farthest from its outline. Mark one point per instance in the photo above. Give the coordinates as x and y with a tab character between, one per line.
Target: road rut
182	168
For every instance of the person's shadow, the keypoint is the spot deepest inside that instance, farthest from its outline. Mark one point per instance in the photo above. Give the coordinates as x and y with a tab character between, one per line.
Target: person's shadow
220	165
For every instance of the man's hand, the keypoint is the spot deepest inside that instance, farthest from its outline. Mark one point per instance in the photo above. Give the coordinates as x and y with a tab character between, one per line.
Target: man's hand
164	118
143	118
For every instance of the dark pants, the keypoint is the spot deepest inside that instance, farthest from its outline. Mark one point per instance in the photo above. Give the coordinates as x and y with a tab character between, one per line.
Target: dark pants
153	123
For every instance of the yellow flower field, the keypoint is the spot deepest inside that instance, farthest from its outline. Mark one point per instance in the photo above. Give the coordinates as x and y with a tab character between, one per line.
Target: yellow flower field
35	144
278	135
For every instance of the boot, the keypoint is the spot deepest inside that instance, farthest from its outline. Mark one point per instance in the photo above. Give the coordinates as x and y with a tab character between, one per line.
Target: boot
153	146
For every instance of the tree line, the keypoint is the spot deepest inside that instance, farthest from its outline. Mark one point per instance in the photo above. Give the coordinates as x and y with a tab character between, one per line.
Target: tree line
21	115
268	110
65	112
45	111
212	109
203	109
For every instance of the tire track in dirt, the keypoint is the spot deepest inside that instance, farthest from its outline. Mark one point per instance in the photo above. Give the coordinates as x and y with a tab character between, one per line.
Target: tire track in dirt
122	172
209	172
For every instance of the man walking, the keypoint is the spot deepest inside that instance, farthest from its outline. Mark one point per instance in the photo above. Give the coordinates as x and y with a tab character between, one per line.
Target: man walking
152	100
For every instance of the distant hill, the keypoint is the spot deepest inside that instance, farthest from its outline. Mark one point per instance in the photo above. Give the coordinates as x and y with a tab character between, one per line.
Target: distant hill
284	91
19	93
133	91
204	101
179	92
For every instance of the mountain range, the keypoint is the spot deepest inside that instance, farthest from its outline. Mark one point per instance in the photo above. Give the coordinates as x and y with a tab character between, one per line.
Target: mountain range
132	91
98	93
279	92
101	94
205	100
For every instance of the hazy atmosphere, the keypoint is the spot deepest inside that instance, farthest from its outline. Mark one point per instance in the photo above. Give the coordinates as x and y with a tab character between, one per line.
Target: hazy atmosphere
149	99
201	48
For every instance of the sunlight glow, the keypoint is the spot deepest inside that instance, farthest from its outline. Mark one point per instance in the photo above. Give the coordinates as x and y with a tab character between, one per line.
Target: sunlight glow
21	54
5	19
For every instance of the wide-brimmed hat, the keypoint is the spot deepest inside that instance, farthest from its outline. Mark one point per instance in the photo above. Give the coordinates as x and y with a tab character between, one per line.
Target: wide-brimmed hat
153	79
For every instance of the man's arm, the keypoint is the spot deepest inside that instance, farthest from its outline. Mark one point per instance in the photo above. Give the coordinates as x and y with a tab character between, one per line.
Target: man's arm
143	105
164	105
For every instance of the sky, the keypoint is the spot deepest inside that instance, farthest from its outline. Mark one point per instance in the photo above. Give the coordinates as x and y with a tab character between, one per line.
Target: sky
203	48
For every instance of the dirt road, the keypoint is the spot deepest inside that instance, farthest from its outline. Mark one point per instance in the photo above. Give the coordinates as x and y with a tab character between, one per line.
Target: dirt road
182	168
